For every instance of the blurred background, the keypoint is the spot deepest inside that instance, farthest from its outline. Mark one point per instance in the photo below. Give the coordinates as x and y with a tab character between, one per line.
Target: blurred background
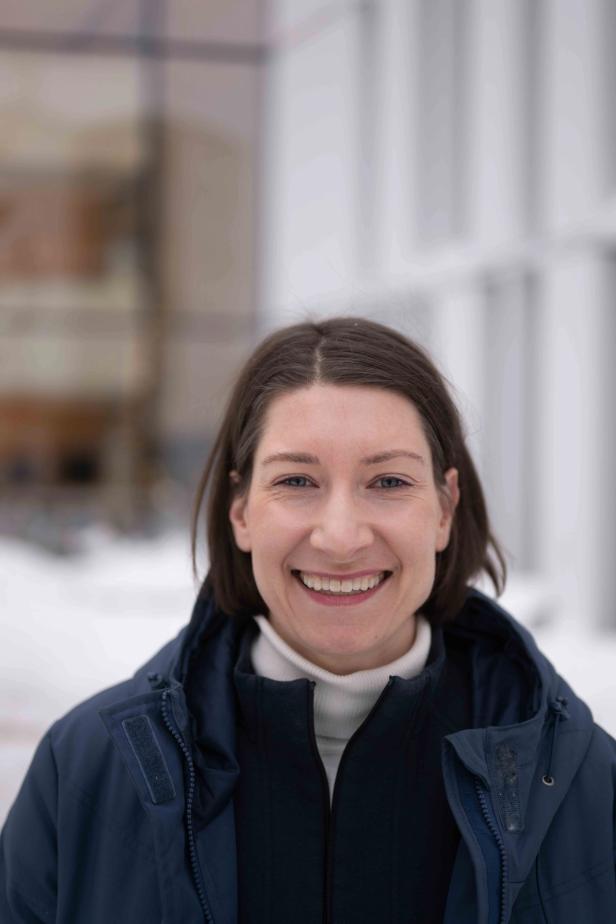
177	178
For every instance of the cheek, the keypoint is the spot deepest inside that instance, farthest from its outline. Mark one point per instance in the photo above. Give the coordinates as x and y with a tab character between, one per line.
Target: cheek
270	551
272	578
418	538
277	530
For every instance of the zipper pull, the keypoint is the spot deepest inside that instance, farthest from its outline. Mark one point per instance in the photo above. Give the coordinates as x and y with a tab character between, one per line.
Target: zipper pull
559	709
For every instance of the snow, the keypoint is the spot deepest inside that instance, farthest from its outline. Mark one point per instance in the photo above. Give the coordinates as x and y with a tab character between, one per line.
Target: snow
74	625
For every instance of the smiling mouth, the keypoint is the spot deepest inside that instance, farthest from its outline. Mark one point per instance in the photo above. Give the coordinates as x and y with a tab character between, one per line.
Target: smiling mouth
332	587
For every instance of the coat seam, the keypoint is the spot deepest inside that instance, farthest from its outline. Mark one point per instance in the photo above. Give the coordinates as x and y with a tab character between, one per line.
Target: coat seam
588	872
544	913
48	911
408	737
546	895
570	885
266	782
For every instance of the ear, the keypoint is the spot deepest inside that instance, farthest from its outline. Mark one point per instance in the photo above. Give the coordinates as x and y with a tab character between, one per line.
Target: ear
449	496
237	515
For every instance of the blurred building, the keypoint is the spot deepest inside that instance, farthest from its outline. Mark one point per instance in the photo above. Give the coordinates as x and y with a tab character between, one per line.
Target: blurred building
448	166
128	161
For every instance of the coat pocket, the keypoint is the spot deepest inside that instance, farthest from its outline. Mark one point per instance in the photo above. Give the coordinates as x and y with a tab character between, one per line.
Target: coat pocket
588	897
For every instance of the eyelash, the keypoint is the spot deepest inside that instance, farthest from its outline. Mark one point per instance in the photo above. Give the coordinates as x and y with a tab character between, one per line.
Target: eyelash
403	484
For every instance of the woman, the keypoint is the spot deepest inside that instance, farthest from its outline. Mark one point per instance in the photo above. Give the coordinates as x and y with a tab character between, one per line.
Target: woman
345	731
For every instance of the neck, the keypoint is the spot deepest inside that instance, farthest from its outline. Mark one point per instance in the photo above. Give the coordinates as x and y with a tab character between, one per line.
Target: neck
344	663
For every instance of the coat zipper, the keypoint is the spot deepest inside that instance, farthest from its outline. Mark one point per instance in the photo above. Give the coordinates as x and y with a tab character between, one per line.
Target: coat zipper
327	815
491	823
330	809
192	848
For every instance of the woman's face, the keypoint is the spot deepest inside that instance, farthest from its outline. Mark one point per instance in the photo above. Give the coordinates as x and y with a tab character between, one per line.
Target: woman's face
342	489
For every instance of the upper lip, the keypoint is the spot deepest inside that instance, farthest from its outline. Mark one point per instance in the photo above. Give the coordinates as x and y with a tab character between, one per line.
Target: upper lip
347	576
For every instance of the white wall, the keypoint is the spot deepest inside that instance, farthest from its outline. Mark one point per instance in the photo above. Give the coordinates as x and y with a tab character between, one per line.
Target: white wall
449	168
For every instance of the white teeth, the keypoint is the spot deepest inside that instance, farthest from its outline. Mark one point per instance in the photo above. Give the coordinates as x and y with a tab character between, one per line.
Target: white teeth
335	586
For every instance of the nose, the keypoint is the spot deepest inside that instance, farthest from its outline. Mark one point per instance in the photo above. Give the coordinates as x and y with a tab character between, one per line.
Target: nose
341	531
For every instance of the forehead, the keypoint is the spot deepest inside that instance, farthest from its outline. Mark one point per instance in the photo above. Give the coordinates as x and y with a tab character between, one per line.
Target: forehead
343	418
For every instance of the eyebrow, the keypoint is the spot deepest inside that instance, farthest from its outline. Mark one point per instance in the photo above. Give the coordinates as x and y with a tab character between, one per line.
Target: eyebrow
305	458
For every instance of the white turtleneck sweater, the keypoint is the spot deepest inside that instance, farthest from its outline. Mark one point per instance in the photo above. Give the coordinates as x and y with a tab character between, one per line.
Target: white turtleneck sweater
341	702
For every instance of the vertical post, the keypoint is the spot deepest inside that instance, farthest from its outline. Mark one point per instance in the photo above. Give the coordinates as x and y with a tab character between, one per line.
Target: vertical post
396	131
497	128
575	423
144	418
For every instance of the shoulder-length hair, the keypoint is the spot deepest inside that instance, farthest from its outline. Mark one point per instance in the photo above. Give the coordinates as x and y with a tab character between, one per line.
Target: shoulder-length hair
342	351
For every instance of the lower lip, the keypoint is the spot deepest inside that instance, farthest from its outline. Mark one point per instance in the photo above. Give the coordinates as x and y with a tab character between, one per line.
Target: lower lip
341	599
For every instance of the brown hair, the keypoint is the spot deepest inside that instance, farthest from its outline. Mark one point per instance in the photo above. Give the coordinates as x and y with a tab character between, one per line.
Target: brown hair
342	351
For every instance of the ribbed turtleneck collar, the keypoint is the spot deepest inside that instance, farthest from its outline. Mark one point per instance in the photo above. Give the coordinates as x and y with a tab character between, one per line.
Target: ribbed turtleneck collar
341	702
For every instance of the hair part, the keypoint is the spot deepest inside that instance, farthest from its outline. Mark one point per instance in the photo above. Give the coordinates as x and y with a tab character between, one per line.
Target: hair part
342	351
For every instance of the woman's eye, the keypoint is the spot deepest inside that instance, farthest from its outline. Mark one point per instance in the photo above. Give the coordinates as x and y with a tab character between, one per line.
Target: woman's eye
391	481
292	481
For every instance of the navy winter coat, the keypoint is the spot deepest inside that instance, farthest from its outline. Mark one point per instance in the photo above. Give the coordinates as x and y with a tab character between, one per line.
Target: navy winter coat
107	827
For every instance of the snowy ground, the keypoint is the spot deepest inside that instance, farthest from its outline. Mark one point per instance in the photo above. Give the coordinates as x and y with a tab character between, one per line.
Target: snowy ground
71	626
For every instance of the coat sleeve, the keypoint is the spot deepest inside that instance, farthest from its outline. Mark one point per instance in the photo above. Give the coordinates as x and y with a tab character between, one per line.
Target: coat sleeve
28	845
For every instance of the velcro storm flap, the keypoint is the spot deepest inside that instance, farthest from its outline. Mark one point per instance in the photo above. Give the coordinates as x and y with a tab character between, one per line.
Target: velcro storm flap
144	743
508	787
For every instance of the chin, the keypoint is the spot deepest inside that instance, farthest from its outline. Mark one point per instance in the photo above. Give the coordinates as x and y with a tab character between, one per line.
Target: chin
339	642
